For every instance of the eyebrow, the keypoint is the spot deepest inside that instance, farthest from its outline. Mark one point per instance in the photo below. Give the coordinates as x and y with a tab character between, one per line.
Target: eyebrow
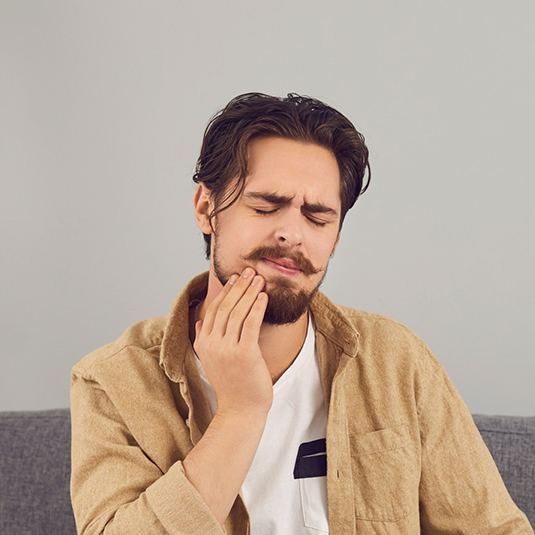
273	198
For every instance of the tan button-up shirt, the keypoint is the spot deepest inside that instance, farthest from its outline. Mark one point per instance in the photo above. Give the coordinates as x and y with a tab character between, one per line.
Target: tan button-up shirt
403	454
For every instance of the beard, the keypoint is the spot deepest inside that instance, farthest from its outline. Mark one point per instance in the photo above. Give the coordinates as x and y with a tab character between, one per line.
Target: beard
286	303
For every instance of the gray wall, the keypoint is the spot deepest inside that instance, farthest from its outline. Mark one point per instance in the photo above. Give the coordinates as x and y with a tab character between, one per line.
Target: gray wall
103	106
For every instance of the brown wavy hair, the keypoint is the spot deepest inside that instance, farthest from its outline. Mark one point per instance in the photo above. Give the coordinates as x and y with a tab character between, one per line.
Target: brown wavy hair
226	138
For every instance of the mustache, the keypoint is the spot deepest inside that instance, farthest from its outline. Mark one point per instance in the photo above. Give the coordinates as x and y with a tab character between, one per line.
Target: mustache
305	265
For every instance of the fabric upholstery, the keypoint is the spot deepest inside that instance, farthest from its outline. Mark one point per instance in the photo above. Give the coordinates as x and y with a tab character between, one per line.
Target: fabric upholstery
35	468
511	441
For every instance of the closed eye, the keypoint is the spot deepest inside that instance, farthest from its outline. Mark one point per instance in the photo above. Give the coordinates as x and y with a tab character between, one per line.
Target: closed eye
265	212
316	222
273	210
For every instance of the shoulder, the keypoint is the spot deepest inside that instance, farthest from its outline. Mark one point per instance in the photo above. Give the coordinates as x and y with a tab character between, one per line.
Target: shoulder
379	340
394	366
367	326
142	340
371	326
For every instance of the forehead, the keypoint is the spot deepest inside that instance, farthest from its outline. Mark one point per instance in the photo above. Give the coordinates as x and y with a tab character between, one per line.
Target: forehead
293	168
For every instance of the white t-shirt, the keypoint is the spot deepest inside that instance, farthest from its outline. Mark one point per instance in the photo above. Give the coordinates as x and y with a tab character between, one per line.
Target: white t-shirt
285	490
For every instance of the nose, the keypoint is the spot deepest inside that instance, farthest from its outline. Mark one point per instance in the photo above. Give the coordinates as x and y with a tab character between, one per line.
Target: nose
289	231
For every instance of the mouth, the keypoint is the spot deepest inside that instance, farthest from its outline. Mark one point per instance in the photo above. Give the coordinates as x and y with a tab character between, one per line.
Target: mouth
282	260
283	265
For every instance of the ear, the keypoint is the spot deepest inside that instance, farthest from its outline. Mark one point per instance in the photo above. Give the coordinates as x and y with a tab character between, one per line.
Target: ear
203	206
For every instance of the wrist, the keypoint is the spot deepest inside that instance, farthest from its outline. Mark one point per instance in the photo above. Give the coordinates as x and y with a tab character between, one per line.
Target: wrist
241	417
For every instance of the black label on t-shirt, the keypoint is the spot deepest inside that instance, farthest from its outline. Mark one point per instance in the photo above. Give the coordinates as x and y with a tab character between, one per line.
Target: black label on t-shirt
311	459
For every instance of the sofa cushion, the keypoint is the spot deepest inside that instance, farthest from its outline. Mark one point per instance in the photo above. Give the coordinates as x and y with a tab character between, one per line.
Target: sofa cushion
511	441
35	467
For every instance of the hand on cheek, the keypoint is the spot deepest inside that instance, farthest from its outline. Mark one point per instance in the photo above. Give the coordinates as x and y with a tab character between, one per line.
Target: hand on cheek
226	342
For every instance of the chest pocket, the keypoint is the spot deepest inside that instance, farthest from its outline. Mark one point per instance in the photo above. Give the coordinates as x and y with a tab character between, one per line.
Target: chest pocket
386	471
311	471
314	503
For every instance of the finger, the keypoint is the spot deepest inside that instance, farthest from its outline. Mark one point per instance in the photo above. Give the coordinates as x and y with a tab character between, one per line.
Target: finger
229	302
198	328
211	312
251	326
242	309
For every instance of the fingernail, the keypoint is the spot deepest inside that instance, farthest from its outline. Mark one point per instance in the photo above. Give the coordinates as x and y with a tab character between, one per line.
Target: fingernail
256	280
233	279
247	273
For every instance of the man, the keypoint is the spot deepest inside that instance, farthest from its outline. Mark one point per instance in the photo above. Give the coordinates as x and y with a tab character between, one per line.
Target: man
257	405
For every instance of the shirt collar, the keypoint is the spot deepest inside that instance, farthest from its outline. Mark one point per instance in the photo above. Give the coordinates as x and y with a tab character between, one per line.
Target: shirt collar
330	321
176	345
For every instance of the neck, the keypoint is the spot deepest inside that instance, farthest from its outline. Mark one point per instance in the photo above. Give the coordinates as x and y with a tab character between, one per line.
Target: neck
280	344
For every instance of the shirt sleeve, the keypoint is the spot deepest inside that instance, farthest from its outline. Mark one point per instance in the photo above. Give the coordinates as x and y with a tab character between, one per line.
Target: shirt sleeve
115	487
461	490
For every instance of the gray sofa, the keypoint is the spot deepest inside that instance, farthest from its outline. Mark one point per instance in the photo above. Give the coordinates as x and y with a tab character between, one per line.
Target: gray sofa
35	467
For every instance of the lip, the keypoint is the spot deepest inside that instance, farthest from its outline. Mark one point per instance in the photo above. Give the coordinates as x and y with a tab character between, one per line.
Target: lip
283	265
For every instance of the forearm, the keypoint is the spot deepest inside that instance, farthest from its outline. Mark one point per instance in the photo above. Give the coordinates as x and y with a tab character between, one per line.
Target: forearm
218	464
226	342
117	486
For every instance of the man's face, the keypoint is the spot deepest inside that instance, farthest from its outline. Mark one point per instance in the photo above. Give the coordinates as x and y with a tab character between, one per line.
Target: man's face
285	224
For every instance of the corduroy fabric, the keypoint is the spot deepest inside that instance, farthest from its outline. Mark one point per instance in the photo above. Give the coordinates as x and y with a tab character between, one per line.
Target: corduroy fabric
404	455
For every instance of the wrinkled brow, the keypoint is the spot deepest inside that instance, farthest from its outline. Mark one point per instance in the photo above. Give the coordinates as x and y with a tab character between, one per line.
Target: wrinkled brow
276	199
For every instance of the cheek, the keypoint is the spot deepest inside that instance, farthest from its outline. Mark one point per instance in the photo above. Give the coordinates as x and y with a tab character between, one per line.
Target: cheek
323	248
237	240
